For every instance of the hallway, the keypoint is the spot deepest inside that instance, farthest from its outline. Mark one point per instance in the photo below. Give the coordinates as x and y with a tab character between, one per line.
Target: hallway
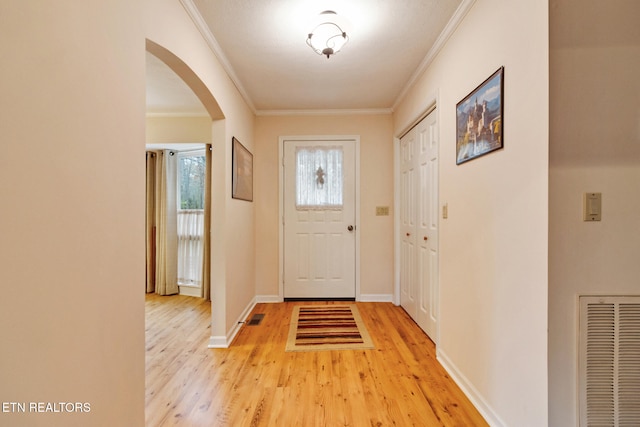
256	383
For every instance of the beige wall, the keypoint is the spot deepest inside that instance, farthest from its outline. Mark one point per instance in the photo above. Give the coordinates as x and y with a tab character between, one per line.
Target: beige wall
178	129
595	147
493	246
72	212
72	180
376	189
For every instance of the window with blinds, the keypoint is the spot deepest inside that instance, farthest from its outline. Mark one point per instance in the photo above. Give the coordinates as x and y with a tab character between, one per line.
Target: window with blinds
190	215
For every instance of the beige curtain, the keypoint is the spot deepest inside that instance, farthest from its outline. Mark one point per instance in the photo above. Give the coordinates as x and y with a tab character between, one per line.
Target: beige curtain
151	222
205	290
166	224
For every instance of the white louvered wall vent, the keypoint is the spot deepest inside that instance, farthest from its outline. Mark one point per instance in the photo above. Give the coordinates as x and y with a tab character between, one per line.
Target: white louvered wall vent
609	380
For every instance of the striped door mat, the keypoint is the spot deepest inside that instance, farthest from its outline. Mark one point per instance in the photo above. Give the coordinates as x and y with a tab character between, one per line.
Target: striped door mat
327	327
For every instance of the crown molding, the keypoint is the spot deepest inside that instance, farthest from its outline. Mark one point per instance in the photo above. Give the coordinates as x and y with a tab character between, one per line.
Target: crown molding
444	36
197	114
213	44
333	112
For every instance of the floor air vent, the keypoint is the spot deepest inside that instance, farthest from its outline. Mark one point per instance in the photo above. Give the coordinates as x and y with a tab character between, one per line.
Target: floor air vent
255	319
609	361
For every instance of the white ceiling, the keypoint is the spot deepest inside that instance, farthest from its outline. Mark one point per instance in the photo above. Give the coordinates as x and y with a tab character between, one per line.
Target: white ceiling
261	43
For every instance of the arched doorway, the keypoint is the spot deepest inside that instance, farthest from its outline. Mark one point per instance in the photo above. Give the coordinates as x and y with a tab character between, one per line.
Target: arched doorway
179	122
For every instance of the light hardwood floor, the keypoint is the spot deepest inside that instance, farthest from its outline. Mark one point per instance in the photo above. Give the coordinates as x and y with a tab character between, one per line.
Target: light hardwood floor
256	383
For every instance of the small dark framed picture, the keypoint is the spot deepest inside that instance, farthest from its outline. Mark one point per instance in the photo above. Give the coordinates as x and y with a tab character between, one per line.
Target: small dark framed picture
480	119
242	178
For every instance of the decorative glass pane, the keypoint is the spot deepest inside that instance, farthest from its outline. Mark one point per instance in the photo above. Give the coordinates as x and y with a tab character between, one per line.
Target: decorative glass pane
319	178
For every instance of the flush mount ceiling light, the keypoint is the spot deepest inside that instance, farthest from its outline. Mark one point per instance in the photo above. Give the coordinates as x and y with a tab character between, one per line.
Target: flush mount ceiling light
327	37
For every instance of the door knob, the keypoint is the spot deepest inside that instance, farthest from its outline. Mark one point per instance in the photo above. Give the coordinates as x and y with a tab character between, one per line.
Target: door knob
426	238
350	228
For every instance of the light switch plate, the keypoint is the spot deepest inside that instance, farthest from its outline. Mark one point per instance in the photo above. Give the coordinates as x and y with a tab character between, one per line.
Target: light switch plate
382	210
592	207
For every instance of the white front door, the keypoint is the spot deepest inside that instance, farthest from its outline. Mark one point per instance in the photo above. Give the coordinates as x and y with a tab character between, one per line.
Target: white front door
419	224
319	219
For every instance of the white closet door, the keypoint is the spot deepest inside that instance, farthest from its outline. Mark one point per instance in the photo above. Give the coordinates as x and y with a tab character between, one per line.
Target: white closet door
419	224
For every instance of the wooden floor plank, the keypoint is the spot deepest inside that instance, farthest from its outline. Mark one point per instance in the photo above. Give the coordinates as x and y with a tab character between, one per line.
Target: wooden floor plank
256	383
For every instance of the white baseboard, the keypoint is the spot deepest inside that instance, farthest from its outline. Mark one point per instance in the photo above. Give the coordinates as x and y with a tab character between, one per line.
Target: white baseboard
220	341
190	291
376	298
268	299
470	391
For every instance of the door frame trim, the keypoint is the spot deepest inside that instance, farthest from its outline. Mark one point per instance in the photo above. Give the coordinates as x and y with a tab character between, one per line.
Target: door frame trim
281	140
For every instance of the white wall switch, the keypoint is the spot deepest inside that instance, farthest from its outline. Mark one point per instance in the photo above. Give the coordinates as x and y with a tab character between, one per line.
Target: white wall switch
592	207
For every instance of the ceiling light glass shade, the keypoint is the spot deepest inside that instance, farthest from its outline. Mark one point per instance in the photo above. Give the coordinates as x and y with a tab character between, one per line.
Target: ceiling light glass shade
327	38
